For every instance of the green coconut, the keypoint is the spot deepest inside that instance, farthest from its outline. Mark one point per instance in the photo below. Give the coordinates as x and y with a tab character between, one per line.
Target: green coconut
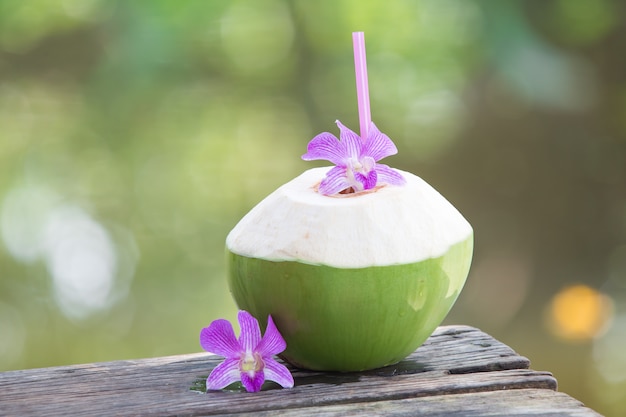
352	281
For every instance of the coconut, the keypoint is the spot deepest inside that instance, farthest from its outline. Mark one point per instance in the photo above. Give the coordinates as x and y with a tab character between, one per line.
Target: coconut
353	281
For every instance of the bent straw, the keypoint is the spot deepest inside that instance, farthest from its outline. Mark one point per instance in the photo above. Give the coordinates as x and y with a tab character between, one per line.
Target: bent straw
362	89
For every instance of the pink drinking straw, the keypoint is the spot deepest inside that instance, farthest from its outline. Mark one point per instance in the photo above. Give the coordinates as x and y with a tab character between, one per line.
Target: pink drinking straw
362	90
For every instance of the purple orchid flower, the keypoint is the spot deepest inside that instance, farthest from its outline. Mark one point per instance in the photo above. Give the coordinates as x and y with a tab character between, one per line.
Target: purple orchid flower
249	358
355	159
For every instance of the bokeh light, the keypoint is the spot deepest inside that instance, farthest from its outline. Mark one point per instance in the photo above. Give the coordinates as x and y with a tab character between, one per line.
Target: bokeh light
579	312
78	252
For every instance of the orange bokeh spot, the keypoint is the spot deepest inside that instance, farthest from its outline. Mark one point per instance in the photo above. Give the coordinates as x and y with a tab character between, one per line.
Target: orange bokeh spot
579	312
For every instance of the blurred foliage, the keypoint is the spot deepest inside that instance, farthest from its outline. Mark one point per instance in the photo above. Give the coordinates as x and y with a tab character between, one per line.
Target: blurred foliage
135	134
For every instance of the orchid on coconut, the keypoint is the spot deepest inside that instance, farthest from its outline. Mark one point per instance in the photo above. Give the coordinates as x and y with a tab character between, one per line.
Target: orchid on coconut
357	263
355	160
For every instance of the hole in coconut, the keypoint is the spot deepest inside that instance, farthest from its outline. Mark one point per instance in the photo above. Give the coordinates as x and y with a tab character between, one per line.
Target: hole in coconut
349	192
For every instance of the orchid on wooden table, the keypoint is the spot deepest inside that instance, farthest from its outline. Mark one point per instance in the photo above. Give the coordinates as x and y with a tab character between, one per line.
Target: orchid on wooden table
249	358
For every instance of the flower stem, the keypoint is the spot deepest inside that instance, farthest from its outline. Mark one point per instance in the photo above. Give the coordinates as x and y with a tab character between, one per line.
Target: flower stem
362	90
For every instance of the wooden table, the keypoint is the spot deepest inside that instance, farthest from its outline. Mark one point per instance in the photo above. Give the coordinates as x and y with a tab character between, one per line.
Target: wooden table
459	371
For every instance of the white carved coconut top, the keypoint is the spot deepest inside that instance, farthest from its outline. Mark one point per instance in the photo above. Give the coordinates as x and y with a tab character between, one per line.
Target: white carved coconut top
384	226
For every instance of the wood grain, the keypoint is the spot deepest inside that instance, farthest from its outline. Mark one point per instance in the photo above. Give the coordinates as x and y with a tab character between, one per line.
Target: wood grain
456	363
523	402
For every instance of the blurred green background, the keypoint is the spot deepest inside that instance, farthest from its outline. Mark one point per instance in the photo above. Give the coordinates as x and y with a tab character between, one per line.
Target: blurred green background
135	134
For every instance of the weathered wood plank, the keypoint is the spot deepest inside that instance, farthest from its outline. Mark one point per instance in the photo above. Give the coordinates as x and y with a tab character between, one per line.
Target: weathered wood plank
465	349
179	400
522	402
456	359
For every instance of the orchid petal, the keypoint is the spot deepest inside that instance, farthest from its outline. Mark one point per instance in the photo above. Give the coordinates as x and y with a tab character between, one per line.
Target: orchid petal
351	141
250	335
252	383
389	175
278	373
223	375
335	181
272	342
325	146
219	338
378	145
